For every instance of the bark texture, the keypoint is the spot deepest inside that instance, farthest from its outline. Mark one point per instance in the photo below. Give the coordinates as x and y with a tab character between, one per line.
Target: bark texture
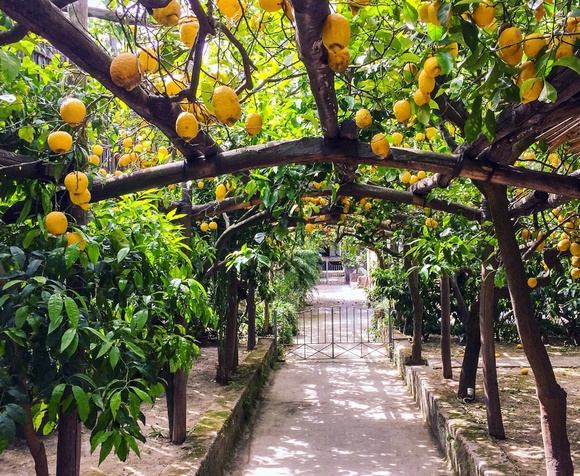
551	396
445	326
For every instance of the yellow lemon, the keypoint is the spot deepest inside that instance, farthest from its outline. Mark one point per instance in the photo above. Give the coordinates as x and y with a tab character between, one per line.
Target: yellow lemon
213	225
188	28
532	283
253	123
231	9
484	14
402	110
72	111
575	273
98	149
186	126
380	145
148	59
226	105
432	67
74	237
397	138
59	142
80	198
56	223
363	118
270	5
220	192
335	31
533	44
125	71
204	226
76	182
169	15
532	91
510	40
426	82
421	98
94	159
525	371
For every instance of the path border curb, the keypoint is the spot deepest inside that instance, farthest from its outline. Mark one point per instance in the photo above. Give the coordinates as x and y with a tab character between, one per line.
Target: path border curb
211	442
466	445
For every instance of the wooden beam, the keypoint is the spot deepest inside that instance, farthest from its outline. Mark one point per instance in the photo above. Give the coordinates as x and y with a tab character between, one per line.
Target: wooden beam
314	150
309	17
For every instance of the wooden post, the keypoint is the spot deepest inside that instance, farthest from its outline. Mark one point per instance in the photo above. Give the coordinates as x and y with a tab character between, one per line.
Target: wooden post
68	447
446	326
226	357
413	281
251	302
486	317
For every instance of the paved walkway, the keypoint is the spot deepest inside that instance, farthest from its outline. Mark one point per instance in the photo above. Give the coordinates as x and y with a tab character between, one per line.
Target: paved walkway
328	417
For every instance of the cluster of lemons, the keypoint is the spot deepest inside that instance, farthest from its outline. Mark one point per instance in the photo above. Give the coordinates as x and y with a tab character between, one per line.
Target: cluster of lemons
128	69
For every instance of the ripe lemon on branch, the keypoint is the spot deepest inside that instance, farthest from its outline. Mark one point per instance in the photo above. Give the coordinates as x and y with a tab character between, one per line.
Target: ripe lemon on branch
226	105
169	15
186	126
402	110
220	192
253	123
76	182
148	59
124	71
72	111
270	5
188	28
59	142
56	223
363	118
74	237
380	145
335	31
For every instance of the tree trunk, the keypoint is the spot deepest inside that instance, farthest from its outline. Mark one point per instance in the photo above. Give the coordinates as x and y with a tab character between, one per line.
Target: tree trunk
446	326
227	349
168	383
251	302
68	449
34	443
413	281
486	318
468	375
551	396
266	315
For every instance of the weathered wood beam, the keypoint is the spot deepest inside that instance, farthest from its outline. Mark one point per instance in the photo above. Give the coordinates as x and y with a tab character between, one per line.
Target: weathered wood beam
314	150
398	196
45	19
423	187
518	127
23	166
309	17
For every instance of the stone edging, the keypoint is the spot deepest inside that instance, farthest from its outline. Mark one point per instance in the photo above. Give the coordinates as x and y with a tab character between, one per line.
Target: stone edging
210	444
466	445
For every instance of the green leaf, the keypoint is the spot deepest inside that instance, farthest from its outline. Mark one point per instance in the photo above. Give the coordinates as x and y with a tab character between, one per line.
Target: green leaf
55	305
489	125
572	62
72	311
71	254
82	400
16	412
7	427
548	94
9	65
55	399
139	320
473	123
435	32
410	14
30	237
470	35
122	254
115	403
106	448
445	59
26	133
67	339
114	356
20	316
104	349
93	252
25	211
142	395
135	349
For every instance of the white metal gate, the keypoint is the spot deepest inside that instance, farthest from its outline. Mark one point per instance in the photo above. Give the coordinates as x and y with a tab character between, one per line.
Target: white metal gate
338	332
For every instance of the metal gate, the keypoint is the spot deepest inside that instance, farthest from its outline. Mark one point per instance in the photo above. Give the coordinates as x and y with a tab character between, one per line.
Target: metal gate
338	332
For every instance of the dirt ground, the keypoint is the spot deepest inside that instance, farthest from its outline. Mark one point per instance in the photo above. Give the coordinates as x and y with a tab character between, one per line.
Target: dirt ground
520	410
519	406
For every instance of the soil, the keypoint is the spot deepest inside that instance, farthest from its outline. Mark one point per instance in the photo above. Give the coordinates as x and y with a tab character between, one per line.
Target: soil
520	409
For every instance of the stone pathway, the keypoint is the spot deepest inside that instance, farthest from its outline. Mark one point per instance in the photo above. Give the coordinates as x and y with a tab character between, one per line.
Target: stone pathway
329	417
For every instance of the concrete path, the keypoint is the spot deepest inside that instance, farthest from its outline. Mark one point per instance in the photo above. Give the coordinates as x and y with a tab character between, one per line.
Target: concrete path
327	417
